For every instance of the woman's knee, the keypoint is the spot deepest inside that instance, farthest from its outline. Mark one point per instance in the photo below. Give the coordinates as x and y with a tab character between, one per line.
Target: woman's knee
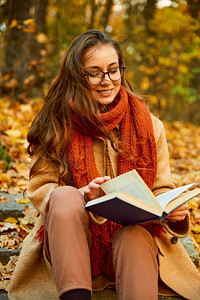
131	236
66	201
130	232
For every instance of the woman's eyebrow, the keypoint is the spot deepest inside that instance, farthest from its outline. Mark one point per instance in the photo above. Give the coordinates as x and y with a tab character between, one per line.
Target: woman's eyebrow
98	67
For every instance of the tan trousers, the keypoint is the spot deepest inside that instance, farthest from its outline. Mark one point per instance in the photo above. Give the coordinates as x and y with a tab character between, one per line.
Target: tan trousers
133	262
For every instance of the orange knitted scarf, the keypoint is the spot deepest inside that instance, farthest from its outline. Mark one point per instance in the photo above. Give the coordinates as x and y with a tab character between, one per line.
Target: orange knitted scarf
136	137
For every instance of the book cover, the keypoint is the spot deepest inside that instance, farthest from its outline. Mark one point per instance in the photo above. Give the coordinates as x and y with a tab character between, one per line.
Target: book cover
129	201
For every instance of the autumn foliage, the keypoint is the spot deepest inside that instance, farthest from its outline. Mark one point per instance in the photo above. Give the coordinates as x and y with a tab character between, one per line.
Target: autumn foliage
161	46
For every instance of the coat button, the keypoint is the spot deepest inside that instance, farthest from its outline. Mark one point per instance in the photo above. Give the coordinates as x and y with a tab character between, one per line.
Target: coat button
174	240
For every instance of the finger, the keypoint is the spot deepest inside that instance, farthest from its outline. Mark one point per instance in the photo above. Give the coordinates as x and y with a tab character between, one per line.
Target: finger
179	212
177	218
107	178
182	207
174	216
100	180
177	215
93	185
90	186
87	190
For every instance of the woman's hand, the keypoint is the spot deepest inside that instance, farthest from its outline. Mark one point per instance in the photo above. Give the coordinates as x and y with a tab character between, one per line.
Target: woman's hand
93	189
178	214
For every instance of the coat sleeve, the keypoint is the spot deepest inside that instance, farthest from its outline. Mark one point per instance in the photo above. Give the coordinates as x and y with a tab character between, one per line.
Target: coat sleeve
163	181
41	185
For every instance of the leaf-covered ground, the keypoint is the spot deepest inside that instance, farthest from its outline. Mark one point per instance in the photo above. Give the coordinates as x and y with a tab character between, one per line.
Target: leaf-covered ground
15	118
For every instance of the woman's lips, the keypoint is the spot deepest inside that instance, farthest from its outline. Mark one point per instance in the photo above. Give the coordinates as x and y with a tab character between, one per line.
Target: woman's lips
105	92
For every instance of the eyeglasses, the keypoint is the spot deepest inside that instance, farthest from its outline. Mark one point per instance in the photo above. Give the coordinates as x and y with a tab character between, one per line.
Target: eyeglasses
96	77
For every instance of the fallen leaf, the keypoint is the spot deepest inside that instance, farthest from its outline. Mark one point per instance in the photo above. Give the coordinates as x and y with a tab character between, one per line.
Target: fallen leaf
42	38
11	220
4	178
4	199
7	226
14	133
13	23
22	200
198	239
196	228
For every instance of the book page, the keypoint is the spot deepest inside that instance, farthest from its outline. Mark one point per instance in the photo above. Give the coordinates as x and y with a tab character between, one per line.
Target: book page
131	183
165	198
181	199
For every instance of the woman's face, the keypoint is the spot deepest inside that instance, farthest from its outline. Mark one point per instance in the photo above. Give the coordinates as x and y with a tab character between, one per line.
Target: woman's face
102	58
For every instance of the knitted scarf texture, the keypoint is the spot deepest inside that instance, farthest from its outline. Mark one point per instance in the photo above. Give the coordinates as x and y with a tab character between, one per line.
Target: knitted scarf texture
132	117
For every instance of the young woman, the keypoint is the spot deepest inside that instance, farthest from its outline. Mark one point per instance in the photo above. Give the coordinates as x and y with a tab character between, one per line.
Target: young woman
90	129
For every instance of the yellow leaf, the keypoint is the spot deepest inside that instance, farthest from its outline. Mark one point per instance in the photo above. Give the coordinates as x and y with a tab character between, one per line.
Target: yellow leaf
196	228
28	21
22	200
23	221
22	183
145	83
6	77
14	133
163	102
30	25
198	238
183	69
1	266
4	178
42	38
13	23
11	220
192	204
153	99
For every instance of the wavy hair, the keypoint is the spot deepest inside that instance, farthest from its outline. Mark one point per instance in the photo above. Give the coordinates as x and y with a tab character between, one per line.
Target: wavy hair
50	133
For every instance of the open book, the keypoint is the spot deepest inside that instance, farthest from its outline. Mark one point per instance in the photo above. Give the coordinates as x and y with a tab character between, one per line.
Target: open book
129	201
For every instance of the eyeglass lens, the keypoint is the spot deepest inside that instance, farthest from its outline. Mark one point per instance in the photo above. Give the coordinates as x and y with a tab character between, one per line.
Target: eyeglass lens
114	74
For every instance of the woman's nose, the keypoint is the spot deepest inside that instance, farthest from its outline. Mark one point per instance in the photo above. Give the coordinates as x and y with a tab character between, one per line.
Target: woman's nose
106	78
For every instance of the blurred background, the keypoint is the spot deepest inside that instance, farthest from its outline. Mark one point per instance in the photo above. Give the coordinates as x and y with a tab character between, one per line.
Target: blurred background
160	40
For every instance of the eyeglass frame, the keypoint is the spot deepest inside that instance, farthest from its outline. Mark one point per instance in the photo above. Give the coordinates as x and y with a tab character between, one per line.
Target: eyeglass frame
104	74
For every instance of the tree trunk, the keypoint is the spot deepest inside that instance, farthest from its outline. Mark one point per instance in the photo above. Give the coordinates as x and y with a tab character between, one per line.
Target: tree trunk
106	14
131	16
93	10
15	38
194	8
35	46
21	45
148	12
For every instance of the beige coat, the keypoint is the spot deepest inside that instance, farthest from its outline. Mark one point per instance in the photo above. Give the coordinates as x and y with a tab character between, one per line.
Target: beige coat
33	277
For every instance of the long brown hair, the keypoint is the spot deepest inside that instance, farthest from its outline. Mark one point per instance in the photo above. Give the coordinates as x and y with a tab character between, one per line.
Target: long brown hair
50	133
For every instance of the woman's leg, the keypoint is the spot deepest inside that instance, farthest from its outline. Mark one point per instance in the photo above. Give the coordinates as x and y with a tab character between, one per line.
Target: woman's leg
67	239
135	264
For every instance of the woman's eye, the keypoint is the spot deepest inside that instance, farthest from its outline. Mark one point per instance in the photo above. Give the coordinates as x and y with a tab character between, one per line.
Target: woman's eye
113	71
95	74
